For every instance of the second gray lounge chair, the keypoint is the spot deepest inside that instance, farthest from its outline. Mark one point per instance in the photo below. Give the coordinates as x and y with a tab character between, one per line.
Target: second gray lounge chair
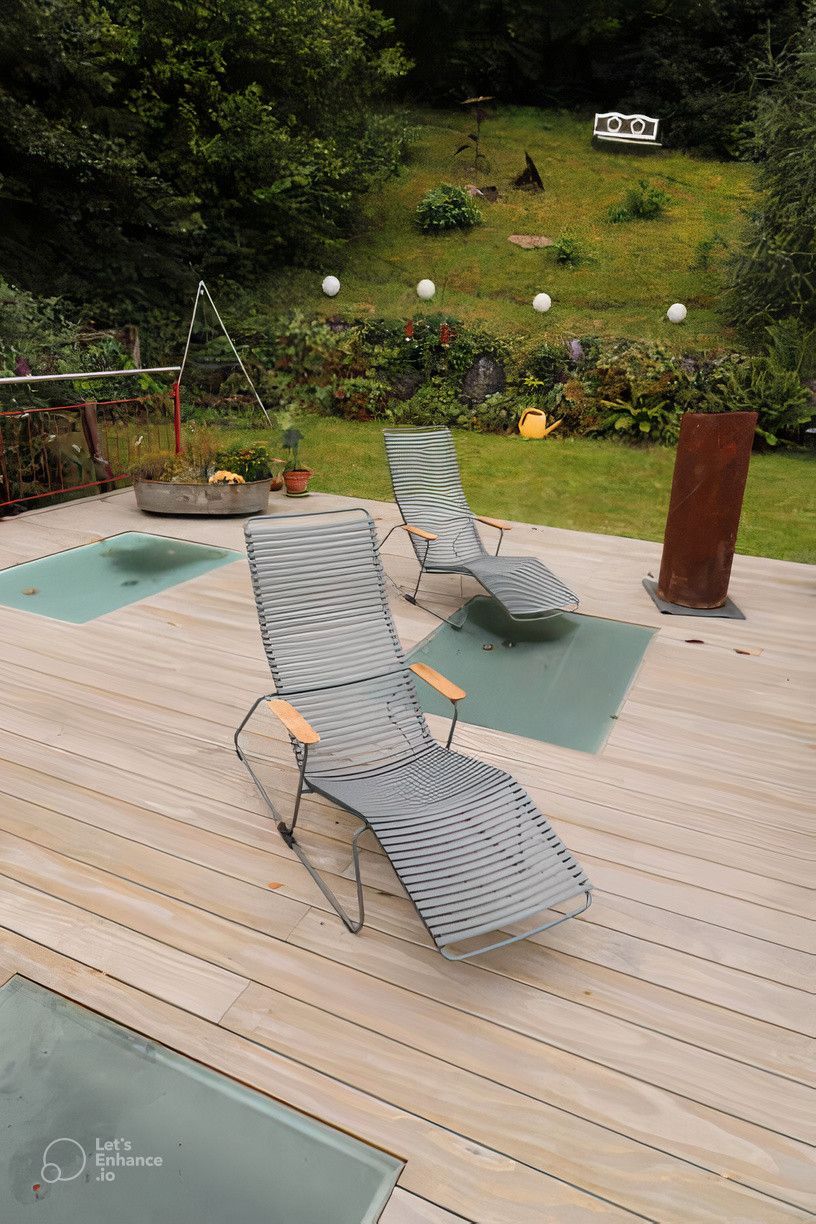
442	527
472	850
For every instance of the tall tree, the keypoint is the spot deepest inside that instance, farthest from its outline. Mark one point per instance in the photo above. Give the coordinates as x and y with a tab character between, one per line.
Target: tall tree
683	60
140	138
774	275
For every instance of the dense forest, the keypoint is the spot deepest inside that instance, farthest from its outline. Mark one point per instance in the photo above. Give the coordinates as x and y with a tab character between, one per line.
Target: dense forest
689	61
142	144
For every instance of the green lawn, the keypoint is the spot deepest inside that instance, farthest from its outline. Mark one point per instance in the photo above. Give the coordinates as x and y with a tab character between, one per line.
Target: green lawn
637	268
583	484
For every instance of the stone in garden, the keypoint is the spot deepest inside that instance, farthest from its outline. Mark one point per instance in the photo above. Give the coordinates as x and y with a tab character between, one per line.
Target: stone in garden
406	384
491	194
527	241
485	377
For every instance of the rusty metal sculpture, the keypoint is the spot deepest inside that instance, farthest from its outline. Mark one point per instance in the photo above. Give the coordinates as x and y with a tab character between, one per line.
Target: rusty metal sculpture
710	472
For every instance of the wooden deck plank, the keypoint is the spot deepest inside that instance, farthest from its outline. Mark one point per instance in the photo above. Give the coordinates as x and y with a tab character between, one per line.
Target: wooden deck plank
637	1178
459	1174
489	1113
719	1144
671	1025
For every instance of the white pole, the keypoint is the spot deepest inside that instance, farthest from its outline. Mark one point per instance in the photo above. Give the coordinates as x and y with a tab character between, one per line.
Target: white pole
261	404
199	292
82	375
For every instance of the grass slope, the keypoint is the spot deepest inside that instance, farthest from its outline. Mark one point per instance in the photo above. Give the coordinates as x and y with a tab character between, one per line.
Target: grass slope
637	268
578	483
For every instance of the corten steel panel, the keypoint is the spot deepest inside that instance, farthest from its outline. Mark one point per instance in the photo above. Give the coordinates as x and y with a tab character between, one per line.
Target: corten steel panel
710	471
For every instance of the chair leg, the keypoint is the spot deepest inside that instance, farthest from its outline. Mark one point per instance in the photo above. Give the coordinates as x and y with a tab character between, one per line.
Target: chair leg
413	598
287	832
352	924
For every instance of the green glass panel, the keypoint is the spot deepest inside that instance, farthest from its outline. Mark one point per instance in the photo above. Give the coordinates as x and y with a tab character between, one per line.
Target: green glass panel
82	583
562	679
100	1125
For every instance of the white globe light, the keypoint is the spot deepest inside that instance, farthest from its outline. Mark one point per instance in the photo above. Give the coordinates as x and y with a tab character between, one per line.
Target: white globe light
330	286
426	289
676	313
542	302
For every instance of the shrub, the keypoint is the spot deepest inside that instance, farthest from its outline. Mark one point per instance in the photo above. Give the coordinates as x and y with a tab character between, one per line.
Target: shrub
568	250
643	202
437	403
249	462
639	391
154	465
791	345
446	207
757	384
201	446
547	363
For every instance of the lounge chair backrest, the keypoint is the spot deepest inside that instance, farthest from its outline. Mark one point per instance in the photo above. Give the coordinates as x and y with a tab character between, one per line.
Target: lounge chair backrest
329	637
428	490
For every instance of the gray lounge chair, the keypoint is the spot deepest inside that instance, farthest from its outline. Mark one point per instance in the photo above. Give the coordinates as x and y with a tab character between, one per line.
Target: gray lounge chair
442	528
469	845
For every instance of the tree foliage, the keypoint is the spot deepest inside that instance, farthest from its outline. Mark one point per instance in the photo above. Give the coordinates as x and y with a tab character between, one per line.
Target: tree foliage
140	139
683	60
774	275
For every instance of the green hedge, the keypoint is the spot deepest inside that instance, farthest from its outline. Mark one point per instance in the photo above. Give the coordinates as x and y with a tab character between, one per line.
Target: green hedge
383	369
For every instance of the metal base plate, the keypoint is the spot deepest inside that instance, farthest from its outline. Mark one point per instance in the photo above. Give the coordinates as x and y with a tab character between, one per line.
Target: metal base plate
729	610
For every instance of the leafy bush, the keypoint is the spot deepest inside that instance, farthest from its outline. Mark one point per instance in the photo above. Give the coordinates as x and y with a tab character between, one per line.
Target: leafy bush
250	462
639	390
757	384
568	250
437	403
644	202
446	207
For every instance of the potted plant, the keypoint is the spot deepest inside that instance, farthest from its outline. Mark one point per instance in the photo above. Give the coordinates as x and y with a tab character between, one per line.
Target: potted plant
296	478
203	479
254	463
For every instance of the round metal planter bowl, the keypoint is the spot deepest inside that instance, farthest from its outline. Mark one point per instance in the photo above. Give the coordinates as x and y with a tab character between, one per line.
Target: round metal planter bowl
168	497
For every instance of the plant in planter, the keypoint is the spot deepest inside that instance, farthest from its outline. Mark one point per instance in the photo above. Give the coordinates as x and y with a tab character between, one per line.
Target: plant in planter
253	463
296	478
194	482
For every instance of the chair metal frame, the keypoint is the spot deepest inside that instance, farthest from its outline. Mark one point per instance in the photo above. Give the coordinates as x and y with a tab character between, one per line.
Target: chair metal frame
428	512
499	843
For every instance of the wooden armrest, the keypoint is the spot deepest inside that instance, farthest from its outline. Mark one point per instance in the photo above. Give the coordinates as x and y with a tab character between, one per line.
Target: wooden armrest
294	722
417	531
491	522
443	686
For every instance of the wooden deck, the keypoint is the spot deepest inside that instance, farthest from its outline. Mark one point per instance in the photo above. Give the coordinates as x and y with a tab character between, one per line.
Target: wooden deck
652	1059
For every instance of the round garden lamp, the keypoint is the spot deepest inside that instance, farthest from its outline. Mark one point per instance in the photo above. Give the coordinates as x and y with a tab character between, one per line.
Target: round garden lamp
676	312
330	286
542	302
425	290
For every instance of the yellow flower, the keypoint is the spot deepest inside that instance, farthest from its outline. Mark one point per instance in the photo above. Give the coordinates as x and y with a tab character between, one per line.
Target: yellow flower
224	477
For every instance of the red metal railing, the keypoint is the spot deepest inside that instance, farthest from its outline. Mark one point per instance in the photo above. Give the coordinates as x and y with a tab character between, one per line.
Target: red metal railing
69	448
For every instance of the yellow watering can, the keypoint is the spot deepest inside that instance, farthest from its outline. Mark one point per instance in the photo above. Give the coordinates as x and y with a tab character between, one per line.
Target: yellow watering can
533	424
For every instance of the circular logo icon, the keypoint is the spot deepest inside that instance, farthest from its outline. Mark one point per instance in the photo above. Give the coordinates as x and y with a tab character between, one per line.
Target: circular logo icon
63	1160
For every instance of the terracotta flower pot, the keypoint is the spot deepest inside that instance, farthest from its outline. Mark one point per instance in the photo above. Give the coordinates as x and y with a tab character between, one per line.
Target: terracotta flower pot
297	482
276	483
